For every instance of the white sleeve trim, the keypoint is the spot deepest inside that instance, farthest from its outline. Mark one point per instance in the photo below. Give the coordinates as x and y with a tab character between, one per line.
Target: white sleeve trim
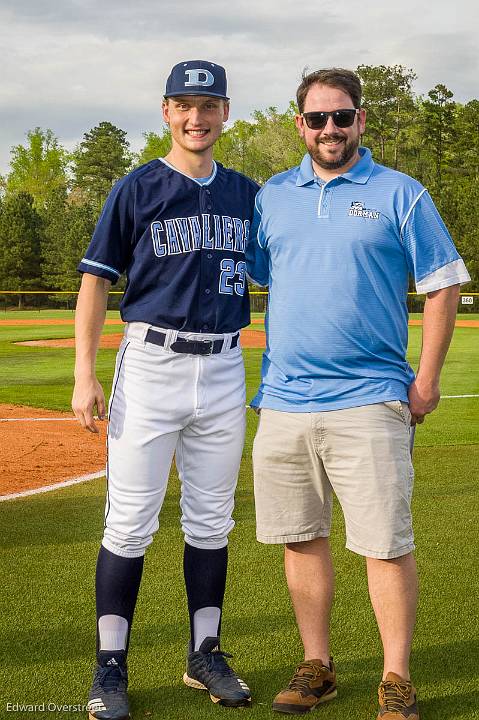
411	209
93	263
260	223
454	273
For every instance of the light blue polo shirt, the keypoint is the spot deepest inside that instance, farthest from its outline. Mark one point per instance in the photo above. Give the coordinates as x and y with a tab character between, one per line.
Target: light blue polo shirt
337	256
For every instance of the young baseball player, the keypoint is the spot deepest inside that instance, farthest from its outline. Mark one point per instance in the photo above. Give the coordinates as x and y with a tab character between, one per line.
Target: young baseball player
178	227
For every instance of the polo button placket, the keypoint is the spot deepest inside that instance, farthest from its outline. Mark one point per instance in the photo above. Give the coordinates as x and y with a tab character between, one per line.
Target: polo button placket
324	200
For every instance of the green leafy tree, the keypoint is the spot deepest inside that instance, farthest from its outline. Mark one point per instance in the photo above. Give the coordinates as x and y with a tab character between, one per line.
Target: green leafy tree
264	146
39	167
276	145
389	101
20	243
156	145
233	149
101	159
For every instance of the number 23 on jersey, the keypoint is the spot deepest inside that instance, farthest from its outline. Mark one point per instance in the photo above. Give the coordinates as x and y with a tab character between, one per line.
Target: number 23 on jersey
232	277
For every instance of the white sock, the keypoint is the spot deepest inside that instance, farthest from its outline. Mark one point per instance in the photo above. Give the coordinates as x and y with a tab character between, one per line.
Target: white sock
206	623
113	631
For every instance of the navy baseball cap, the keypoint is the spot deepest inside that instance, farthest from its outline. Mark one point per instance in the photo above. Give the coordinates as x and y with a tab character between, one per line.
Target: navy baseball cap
197	77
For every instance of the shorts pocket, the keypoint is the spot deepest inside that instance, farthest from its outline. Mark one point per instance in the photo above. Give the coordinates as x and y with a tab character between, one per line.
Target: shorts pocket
401	409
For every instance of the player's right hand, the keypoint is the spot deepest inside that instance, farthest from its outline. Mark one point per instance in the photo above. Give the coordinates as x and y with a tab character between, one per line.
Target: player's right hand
87	395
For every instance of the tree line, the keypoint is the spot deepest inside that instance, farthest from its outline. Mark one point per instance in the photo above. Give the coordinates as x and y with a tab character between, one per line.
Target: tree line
50	198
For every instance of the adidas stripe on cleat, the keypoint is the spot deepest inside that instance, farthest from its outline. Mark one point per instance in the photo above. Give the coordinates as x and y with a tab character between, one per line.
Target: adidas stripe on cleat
108	698
208	670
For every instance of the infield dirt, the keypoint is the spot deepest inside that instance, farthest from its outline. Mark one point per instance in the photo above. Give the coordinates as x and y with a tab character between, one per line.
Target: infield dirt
43	447
37	452
249	339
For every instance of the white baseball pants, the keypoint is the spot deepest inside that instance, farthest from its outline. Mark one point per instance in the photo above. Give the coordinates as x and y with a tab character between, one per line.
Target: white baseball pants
162	404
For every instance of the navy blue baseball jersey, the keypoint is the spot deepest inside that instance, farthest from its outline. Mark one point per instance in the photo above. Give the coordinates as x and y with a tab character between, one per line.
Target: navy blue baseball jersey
181	244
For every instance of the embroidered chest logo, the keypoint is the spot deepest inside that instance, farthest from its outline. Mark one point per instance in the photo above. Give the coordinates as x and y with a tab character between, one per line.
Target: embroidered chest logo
357	209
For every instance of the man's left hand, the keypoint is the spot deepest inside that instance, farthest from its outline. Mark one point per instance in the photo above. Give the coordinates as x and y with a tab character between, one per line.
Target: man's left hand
423	399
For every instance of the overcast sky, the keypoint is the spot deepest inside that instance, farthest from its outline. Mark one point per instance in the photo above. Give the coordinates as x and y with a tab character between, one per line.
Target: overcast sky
69	64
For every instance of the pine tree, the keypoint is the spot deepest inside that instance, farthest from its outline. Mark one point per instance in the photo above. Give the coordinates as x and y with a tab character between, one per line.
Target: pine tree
101	159
389	102
20	244
438	118
68	227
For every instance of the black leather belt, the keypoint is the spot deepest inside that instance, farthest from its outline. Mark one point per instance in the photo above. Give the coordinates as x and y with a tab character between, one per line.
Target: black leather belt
192	347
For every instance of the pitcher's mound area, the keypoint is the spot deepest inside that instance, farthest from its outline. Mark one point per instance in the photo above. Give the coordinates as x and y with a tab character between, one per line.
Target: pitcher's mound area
249	339
43	447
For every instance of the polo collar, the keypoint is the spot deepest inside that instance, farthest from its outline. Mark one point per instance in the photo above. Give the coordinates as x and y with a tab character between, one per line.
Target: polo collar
359	173
362	170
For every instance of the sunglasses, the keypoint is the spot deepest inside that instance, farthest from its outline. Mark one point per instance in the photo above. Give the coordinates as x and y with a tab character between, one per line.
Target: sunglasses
341	118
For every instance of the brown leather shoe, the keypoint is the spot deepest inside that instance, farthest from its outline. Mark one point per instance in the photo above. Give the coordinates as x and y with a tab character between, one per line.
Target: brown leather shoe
312	683
397	699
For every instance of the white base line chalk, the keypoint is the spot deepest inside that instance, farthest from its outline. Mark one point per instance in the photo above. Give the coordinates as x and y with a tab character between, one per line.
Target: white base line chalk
94	476
56	486
36	419
69	419
449	397
42	419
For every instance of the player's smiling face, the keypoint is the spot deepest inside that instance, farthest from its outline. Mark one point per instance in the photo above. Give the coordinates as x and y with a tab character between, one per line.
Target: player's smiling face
195	121
332	149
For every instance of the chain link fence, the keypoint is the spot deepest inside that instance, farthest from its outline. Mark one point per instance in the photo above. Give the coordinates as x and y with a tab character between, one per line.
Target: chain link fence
38	300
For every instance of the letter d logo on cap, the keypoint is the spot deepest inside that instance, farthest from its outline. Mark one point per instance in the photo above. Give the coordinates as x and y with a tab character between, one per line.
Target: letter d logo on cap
199	77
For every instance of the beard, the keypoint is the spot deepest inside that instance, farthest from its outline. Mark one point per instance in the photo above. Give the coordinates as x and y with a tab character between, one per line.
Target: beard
348	151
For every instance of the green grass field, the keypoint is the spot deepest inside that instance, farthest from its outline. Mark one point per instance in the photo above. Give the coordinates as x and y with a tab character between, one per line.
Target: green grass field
50	543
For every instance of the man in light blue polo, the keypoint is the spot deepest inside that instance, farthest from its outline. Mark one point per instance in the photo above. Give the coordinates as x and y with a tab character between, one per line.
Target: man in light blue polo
336	240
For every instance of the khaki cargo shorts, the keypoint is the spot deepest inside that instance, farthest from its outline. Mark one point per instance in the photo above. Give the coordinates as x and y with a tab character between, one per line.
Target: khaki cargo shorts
361	454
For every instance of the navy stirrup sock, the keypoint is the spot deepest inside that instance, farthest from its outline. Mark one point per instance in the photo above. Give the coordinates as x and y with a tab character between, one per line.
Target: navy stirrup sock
205	582
117	585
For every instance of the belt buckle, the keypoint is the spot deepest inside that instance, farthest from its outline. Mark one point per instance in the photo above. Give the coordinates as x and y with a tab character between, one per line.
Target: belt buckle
207	345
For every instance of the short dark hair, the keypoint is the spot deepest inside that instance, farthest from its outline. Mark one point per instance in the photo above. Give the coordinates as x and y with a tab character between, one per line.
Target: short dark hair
344	80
